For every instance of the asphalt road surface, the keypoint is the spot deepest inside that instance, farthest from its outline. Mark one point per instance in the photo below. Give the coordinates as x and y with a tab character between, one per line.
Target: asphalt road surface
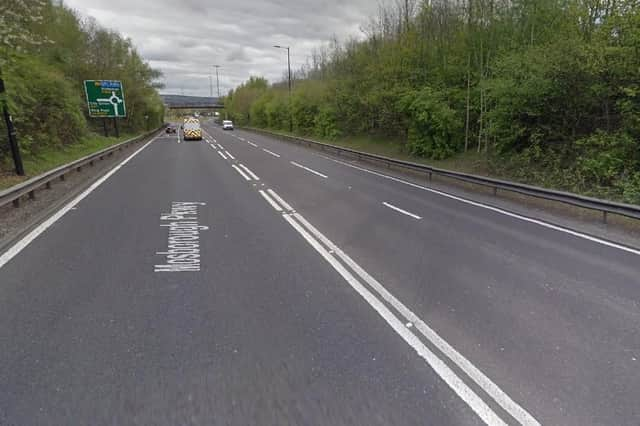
240	280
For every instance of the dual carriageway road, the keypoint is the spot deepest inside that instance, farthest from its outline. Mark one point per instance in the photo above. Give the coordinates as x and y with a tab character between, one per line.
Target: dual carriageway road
243	280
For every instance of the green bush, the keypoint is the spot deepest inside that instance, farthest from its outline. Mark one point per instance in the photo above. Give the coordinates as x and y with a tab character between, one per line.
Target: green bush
604	158
434	127
304	110
631	189
46	108
258	110
326	123
277	111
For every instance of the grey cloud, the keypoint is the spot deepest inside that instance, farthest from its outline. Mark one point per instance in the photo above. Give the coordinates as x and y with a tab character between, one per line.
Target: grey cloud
237	55
185	39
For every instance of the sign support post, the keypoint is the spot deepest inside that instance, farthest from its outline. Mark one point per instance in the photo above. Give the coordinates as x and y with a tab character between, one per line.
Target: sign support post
11	131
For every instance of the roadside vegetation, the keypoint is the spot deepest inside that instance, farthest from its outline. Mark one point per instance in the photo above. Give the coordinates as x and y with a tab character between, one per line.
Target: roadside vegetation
46	52
545	92
49	158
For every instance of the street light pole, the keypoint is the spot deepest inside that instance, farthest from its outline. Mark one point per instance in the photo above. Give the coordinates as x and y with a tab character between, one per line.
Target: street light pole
210	87
289	68
217	80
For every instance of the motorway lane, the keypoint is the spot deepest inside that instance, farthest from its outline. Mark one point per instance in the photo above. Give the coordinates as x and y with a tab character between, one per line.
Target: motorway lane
552	318
265	333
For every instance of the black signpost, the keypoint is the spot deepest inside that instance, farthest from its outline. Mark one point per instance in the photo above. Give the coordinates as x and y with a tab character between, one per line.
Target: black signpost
11	131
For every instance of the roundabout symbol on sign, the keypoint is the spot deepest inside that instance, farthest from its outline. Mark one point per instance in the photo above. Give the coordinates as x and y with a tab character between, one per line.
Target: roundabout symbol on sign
113	100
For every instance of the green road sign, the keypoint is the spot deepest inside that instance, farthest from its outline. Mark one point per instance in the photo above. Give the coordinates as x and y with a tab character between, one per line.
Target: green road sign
105	98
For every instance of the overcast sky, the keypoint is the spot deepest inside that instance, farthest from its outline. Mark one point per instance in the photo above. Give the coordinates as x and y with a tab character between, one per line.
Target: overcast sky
185	38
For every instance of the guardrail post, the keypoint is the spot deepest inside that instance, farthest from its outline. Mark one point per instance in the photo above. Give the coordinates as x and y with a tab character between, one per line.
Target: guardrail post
495	191
430	176
62	178
48	185
16	203
32	195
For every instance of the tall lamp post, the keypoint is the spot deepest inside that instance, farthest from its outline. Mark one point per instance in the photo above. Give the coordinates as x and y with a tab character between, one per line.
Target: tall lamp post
217	79
289	67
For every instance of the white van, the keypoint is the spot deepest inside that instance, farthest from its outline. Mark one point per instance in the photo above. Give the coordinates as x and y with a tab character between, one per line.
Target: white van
227	125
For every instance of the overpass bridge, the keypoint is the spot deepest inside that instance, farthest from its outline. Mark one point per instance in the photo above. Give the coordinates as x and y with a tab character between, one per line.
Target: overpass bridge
179	102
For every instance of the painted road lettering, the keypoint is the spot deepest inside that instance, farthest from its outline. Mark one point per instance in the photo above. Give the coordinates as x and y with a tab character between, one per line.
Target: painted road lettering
183	252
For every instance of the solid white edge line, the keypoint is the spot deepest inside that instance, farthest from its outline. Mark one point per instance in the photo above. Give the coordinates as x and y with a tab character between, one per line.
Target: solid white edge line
252	144
440	368
498	395
309	170
222	155
498	210
282	202
271	152
399	210
270	201
249	172
24	242
241	172
229	155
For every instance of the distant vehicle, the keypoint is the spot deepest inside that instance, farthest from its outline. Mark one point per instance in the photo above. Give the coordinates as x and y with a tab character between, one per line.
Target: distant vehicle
171	128
191	129
227	125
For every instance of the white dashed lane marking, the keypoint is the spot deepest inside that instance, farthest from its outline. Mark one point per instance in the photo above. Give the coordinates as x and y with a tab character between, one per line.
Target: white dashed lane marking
271	152
309	170
399	210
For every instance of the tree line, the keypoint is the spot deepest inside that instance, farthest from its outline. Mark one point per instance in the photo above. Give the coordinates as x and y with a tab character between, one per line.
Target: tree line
46	52
545	91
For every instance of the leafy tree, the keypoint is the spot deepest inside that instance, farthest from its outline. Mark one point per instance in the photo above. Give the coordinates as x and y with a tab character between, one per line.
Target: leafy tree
46	52
546	91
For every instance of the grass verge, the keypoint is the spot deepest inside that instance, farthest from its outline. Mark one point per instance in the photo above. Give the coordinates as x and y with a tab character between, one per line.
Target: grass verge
467	162
50	158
